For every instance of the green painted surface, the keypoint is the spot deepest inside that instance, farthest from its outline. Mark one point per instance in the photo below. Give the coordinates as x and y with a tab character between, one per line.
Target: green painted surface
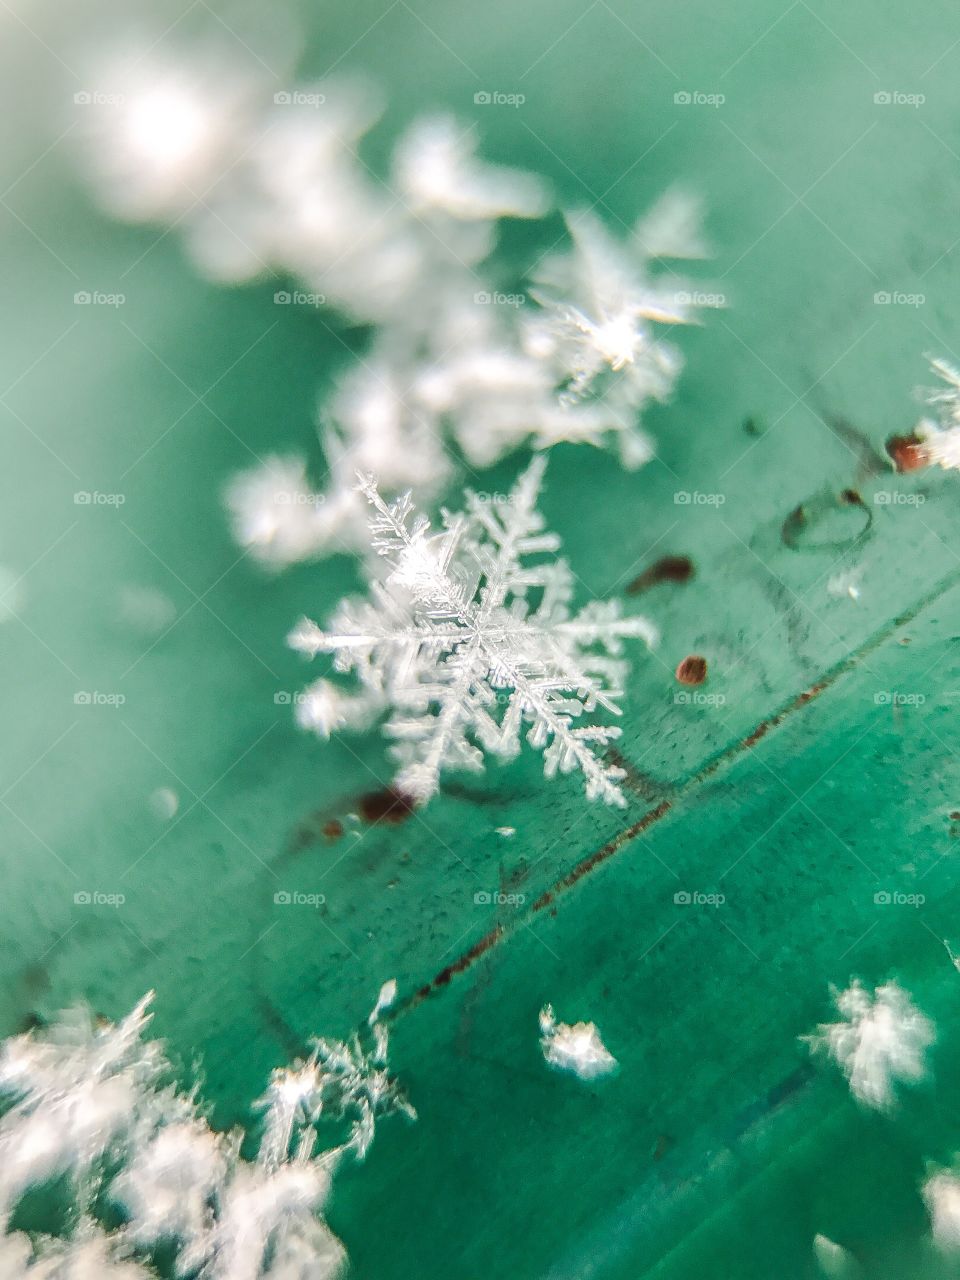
681	1165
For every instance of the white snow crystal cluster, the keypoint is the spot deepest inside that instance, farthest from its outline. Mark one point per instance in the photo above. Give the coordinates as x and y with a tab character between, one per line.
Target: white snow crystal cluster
460	364
881	1039
94	1102
577	1047
941	437
941	1194
468	645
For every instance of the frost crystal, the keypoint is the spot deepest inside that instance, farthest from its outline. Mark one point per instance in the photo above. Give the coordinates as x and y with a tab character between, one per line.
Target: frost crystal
88	1102
882	1039
468	646
576	1048
941	440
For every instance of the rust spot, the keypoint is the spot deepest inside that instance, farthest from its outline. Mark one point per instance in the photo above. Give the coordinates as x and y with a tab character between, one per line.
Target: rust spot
486	942
641	784
387	805
601	855
692	670
907	452
761	731
333	829
955	816
802	698
851	497
666	569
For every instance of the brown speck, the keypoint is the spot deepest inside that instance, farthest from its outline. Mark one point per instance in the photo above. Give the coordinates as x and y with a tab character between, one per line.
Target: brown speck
386	806
666	569
955	816
851	497
333	829
692	670
907	452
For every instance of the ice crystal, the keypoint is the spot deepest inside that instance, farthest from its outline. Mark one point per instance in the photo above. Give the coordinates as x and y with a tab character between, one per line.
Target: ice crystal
941	439
881	1039
468	645
88	1100
577	1047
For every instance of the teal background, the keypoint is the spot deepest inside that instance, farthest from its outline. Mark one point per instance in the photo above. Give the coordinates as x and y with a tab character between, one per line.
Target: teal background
716	1150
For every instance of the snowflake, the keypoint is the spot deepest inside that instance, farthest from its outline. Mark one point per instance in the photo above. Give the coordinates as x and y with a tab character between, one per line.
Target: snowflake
466	645
88	1101
601	304
577	1048
882	1038
941	440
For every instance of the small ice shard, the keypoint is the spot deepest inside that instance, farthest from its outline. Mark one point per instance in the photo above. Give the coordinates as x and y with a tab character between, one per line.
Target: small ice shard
941	1194
881	1039
835	1262
844	584
576	1048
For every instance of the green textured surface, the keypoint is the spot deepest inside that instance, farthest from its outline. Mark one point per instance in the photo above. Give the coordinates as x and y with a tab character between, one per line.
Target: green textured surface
818	198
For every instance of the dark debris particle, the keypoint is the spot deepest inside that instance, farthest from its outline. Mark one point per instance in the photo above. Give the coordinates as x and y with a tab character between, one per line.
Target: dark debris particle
955	816
907	453
851	497
666	569
692	670
333	829
387	805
